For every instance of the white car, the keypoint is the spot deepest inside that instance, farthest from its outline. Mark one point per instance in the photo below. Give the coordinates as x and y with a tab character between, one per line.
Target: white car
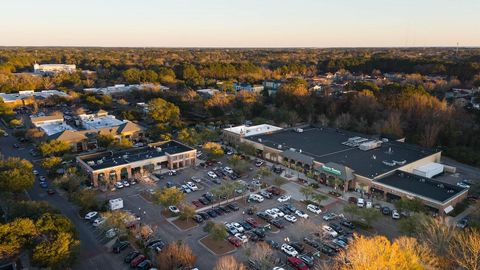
126	183
284	198
328	230
290	251
238	227
192	186
242	237
186	189
111	233
271	213
196	179
278	212
259	163
99	221
361	202
228	170
35	172
290	218
329	216
256	197
212	174
301	214
395	214
463	185
173	209
118	185
90	215
369	204
314	209
43	178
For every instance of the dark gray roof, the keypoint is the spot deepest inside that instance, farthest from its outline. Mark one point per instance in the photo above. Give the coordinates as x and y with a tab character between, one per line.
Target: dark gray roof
325	145
298	157
112	159
422	186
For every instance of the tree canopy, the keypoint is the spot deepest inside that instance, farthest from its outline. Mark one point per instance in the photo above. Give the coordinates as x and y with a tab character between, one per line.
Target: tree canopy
16	174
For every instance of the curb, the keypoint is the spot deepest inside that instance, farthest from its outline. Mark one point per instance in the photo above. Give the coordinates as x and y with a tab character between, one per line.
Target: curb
211	251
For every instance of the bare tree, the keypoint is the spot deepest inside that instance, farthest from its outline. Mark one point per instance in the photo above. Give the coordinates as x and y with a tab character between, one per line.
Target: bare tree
229	263
437	235
262	253
465	249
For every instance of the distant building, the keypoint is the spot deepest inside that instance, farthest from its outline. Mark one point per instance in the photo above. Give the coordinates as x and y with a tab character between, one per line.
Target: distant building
27	97
272	86
208	92
122	88
51	69
89	126
248	87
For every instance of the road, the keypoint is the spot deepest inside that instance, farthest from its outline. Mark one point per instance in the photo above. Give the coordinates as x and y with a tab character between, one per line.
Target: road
92	255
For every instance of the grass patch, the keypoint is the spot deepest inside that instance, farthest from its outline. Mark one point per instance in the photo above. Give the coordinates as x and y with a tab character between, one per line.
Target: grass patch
185	224
361	225
218	247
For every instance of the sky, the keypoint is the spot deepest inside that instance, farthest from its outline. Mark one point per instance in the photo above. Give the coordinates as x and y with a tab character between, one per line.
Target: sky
240	23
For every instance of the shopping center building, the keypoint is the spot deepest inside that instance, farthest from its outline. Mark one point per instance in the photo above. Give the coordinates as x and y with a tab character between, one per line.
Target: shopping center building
351	161
112	166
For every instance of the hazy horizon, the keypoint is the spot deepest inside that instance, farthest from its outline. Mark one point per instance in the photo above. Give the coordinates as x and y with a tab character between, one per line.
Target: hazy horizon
241	24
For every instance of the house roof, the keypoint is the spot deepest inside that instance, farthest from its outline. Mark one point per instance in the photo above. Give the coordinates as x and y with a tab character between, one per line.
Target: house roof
129	127
46	118
69	136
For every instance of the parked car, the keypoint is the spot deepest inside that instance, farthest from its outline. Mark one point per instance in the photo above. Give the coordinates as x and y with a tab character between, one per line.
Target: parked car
233	206
198	218
277	223
228	170
347	224
51	191
192	186
252	222
284	198
328	230
98	221
111	233
212	213
173	209
307	259
125	183
290	218
311	242
273	244
301	214
137	260
196	179
274	190
352	200
289	250
119	246
314	209
130	256
462	223
395	214
298	246
43	184
463	185
119	185
211	174
256	198
386	210
91	215
259	163
329	216
266	194
297	263
197	203
234	241
360	202
144	265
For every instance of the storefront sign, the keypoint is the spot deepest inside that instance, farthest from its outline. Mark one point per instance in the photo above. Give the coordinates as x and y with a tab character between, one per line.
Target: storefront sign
331	170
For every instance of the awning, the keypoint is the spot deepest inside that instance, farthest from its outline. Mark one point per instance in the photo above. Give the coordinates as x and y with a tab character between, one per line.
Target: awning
448	209
341	171
297	156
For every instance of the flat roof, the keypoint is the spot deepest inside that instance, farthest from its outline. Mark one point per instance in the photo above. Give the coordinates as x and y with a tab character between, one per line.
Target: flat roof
422	186
91	121
54	128
253	130
30	93
112	159
329	145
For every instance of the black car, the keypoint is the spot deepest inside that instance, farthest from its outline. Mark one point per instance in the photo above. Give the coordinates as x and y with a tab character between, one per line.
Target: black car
311	242
332	247
233	206
252	236
250	211
216	181
209	197
198	218
386	211
307	259
327	250
212	213
264	216
144	265
158	246
347	224
204	201
266	194
277	223
204	215
153	242
290	207
273	244
298	246
337	228
170	184
130	256
259	232
218	211
225	209
246	225
119	246
284	209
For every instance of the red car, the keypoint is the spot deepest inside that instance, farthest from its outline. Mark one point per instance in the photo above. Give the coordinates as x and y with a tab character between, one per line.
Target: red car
297	263
234	241
135	262
198	204
252	222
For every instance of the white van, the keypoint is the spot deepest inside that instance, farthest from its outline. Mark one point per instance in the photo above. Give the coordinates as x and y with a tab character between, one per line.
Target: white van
361	202
256	197
369	204
115	204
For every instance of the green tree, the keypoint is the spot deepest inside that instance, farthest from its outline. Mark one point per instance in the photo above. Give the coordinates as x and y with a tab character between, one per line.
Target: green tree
410	205
279	181
307	191
15	122
15	235
246	149
50	162
213	150
86	199
351	210
54	147
163	112
118	220
57	252
168	196
188	136
264	172
369	215
218	232
187	212
16	174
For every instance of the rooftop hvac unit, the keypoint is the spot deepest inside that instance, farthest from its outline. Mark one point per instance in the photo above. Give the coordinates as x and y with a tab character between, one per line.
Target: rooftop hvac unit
91	162
99	161
259	139
369	145
403	162
300	150
293	149
125	156
391	164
